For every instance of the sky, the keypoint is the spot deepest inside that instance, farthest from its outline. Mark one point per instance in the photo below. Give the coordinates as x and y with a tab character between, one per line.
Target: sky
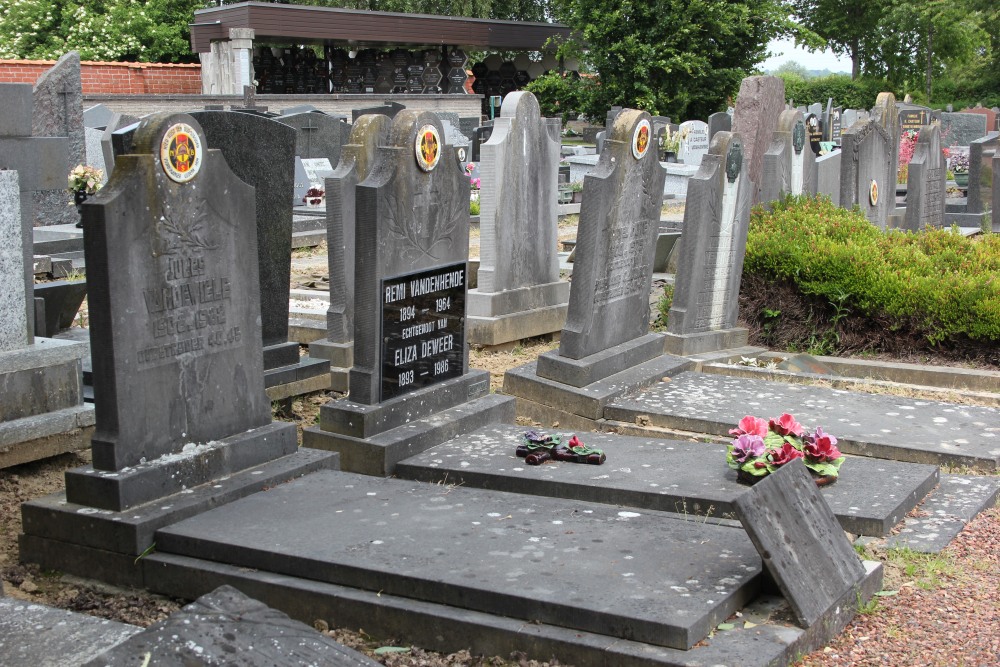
784	50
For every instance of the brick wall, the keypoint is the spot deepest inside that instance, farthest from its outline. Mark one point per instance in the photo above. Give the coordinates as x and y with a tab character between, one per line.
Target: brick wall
114	78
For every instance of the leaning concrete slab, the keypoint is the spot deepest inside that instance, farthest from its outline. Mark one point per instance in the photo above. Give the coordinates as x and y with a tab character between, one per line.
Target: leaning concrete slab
877	425
642	576
689	478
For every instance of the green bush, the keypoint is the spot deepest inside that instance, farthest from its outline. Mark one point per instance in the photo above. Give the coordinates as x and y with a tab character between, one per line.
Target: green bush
941	283
558	95
857	94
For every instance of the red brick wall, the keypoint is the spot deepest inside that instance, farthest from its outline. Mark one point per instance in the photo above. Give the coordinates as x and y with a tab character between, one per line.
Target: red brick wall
114	78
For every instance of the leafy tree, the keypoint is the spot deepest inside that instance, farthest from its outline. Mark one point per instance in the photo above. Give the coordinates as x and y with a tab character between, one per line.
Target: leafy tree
677	57
792	69
845	26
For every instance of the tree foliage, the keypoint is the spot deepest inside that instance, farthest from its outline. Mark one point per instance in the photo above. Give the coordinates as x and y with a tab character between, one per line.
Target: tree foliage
676	57
111	30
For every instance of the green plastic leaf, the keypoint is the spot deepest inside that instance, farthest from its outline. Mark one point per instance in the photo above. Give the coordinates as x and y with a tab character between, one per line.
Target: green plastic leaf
774	441
383	650
887	594
726	626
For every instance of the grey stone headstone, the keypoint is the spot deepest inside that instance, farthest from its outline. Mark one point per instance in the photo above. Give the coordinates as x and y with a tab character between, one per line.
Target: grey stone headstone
719	122
13	318
886	114
716	220
850	117
97	116
389	109
301	183
827	118
864	171
223	624
299	109
95	153
925	183
356	161
174	307
789	163
760	101
58	112
599	139
609	118
317	135
694	142
260	151
981	152
828	176
518	203
836	124
961	129
616	242
802	545
42	169
410	220
115	123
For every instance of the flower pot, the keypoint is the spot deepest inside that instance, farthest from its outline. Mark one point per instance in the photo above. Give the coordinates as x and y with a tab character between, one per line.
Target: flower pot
962	180
79	196
670	156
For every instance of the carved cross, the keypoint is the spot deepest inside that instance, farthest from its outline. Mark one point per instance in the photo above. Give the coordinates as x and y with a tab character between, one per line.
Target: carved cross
309	128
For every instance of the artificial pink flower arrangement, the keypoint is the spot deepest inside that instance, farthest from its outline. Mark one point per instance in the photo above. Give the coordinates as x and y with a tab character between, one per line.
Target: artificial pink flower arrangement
762	446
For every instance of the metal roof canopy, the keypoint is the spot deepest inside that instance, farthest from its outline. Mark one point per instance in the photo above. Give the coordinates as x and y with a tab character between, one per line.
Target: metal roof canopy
351	27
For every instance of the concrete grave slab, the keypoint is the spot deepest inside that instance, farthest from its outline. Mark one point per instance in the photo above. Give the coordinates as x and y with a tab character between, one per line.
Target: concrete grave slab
802	545
688	478
225	626
883	426
35	635
488	551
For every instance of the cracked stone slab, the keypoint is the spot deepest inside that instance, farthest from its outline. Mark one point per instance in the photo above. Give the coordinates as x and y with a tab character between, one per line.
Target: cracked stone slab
871	496
638	575
878	425
958	500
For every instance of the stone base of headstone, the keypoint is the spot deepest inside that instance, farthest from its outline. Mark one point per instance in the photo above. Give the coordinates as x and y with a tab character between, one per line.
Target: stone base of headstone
965	219
287	374
57	239
495	318
709	341
42	413
546	400
105	545
595	367
341	358
371	439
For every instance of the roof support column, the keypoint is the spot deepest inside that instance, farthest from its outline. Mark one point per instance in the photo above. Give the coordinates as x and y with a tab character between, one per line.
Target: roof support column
229	65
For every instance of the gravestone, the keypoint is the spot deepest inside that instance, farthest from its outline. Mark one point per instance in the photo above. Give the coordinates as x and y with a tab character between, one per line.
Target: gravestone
95	152
992	117
913	117
850	117
317	135
815	109
58	112
828	176
789	164
980	193
389	108
260	151
799	541
356	162
961	129
814	133
309	173
519	294
703	314
836	124
115	123
619	221
694	142
761	100
13	319
719	122
925	182
410	385
864	171
176	354
97	116
886	114
42	166
828	120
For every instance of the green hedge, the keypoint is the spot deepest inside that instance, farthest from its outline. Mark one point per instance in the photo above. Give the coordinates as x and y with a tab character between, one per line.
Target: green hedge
942	283
857	94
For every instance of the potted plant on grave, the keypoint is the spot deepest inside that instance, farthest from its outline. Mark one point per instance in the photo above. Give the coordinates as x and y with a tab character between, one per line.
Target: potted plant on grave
960	168
670	143
762	446
84	181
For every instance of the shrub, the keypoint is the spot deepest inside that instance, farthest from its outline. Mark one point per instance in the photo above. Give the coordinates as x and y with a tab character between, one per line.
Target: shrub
937	281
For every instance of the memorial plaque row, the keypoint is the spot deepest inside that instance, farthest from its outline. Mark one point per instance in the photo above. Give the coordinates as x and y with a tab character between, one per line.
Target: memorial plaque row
423	329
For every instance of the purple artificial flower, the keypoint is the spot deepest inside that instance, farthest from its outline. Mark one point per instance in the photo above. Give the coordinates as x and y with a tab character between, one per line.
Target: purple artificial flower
746	447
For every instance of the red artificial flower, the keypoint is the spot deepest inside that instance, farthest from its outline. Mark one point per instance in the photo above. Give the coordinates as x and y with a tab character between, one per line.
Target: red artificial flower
750	426
822	446
574	443
786	425
786	454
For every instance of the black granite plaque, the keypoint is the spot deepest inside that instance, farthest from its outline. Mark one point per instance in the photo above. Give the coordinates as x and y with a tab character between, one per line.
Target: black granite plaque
815	129
423	329
913	119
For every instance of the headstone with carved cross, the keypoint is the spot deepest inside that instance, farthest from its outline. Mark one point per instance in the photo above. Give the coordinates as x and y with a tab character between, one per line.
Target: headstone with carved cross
410	380
58	112
317	134
703	315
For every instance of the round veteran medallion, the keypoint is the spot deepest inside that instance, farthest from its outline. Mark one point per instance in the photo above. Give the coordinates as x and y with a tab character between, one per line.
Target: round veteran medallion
640	139
873	193
181	152
428	147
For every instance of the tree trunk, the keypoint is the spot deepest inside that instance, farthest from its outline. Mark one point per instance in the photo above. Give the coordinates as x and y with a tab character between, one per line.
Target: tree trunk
930	53
855	61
